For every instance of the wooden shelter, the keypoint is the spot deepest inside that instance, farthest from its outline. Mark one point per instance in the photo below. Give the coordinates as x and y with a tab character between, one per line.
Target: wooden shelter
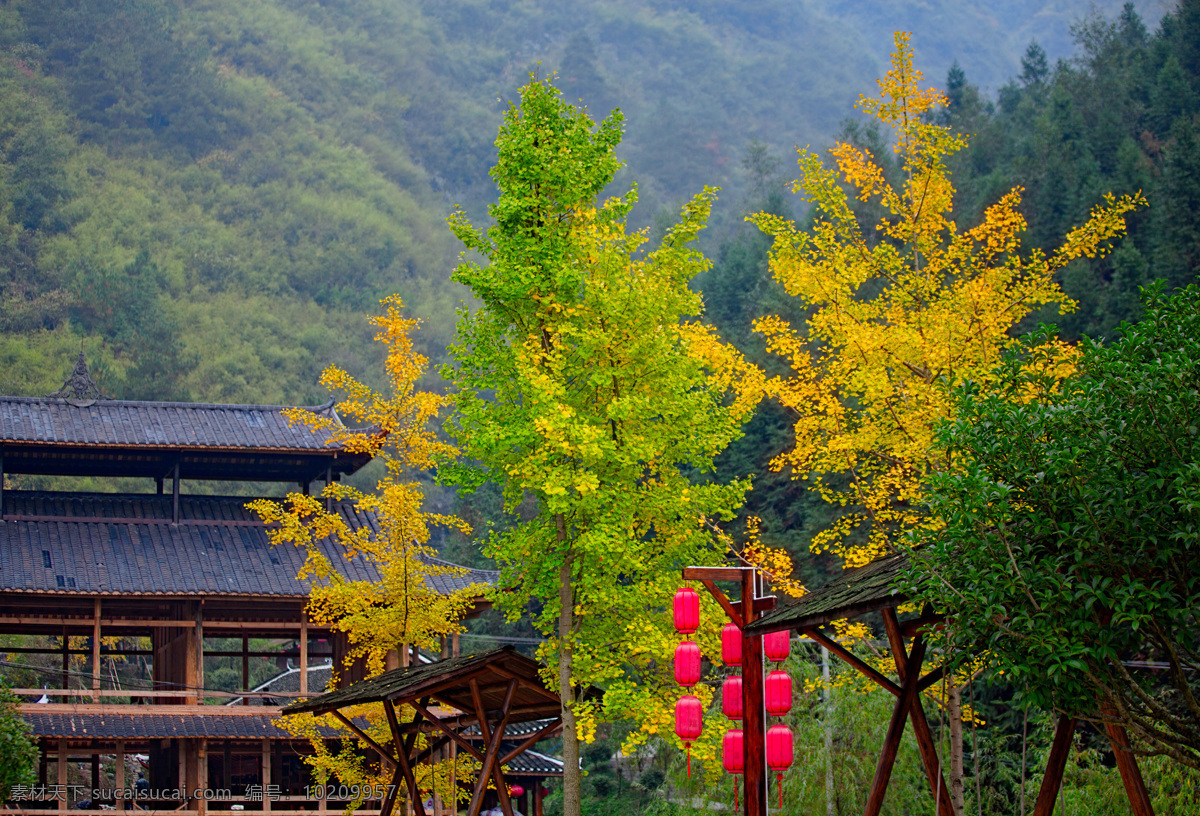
875	588
487	692
173	579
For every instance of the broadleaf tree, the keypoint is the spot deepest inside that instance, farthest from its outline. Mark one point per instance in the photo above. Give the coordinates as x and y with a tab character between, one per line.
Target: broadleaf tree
574	389
401	607
898	311
1072	531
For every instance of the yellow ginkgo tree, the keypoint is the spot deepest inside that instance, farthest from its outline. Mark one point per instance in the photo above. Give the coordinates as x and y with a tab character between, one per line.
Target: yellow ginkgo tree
401	607
897	317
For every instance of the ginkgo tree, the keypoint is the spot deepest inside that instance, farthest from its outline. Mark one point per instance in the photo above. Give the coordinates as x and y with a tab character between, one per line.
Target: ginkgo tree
895	318
575	391
391	533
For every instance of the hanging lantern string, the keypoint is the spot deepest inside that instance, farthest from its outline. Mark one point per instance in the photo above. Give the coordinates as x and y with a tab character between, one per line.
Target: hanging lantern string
689	760
779	778
735	799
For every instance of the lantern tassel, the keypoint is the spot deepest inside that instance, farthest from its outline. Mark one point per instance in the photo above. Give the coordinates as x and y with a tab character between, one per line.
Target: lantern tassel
735	793
779	778
689	761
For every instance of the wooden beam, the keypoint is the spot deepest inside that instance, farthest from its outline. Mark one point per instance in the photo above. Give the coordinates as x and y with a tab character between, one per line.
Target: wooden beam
846	655
532	740
1131	775
916	625
925	742
362	735
403	747
721	598
489	768
449	732
389	799
891	741
1060	750
714	573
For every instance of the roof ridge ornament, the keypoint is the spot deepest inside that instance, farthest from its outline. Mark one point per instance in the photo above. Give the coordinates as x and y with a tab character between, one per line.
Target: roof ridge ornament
79	389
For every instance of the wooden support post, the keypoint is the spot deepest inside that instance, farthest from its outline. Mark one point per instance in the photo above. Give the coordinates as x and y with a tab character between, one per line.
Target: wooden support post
266	773
925	742
891	742
1060	750
202	775
95	777
96	651
63	759
405	655
455	646
158	485
491	768
404	766
175	494
304	653
753	705
245	668
328	482
66	662
119	775
1	483
1131	776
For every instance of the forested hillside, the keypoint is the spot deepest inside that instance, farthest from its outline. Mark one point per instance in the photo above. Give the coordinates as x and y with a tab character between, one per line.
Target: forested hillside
211	195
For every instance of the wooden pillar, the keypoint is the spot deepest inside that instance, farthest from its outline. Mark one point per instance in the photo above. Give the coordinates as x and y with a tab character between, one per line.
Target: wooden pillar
328	482
1060	750
1	483
43	747
891	741
245	667
66	663
95	777
405	655
96	650
921	730
175	494
202	774
266	774
753	710
1131	776
119	775
391	660
62	773
304	652
455	646
181	779
158	485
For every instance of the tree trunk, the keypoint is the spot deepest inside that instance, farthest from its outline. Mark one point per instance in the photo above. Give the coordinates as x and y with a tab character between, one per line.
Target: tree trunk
957	796
572	779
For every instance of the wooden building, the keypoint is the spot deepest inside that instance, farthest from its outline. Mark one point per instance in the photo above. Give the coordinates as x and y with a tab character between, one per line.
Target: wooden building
171	572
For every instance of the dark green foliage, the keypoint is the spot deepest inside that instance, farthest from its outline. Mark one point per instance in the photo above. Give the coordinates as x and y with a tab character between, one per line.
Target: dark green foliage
18	752
1072	529
1121	117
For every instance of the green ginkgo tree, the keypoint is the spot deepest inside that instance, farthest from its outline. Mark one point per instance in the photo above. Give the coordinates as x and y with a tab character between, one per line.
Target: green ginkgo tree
575	391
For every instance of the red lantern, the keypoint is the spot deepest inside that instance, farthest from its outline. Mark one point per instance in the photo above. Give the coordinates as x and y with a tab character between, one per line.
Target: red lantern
731	645
733	757
780	754
734	754
731	697
687	664
687	610
516	791
778	693
689	723
777	645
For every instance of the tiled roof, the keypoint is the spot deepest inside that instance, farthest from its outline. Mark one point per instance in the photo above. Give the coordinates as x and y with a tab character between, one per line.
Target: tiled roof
531	763
855	592
523	729
151	726
124	423
125	544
